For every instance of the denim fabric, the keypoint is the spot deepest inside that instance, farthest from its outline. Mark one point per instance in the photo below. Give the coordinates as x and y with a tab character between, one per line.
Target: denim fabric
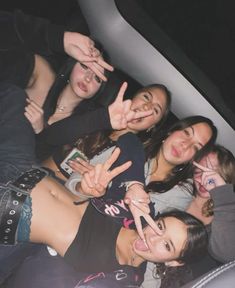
17	139
16	155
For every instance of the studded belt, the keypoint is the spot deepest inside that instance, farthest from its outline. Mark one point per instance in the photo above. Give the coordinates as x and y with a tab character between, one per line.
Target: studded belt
18	191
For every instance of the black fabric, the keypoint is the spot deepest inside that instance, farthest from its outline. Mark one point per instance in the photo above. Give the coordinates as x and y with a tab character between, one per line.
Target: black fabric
24	36
93	249
69	130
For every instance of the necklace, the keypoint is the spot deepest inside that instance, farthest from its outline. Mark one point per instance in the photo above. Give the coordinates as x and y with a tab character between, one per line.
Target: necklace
60	109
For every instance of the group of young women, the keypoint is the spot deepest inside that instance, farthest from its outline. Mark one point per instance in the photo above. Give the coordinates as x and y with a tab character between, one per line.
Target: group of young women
104	217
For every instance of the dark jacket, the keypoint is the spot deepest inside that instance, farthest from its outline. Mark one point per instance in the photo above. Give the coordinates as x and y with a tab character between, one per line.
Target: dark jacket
25	36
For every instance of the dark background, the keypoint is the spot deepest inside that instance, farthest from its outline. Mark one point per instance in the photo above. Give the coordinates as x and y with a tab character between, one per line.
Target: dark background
204	29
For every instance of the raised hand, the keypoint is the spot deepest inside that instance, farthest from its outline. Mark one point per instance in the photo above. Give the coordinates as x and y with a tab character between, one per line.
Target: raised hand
82	48
120	112
95	181
81	166
138	201
34	113
210	178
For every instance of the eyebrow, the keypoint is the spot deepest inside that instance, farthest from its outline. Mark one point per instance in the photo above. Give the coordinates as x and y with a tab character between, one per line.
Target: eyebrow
194	134
159	106
172	244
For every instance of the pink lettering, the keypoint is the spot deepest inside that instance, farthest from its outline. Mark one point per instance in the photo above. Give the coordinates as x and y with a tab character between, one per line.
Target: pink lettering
94	276
127	222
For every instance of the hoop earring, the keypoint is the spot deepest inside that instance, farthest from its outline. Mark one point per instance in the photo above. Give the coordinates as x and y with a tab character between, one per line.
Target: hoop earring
159	271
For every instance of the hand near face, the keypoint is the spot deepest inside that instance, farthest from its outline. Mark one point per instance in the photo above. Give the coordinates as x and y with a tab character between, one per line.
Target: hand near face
138	201
82	48
34	113
95	181
209	178
120	112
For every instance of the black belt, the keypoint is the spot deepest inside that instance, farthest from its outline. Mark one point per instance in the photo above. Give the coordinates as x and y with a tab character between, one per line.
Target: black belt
19	190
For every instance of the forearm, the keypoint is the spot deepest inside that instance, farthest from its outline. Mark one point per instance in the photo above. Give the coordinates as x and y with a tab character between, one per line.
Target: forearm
70	129
221	244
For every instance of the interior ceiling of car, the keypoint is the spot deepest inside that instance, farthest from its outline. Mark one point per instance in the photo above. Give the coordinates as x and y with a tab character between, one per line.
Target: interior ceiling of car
187	45
139	47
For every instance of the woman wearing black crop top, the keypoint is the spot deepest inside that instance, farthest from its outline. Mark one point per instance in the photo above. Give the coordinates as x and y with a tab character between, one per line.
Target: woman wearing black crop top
36	208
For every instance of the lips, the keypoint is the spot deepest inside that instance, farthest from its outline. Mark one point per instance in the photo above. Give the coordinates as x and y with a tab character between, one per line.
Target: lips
175	152
201	188
82	86
141	245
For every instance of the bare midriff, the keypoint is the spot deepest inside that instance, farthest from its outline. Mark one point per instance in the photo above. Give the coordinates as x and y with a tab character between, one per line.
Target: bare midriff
55	219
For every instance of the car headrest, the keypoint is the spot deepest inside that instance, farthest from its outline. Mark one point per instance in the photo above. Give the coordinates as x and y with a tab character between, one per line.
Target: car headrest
223	276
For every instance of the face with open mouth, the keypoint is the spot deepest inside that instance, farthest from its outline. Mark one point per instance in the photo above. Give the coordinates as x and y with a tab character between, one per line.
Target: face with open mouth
164	245
151	98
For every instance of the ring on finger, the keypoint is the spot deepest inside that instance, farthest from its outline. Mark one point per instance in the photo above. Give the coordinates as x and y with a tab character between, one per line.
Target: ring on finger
210	181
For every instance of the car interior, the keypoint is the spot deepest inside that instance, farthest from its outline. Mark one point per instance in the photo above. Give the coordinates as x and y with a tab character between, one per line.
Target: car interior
142	53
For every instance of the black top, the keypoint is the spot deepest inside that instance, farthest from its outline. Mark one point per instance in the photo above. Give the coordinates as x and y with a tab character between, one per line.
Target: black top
68	130
22	36
94	247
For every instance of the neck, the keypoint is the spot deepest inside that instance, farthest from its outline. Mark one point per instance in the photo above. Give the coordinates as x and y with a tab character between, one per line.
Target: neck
196	209
124	248
161	168
67	100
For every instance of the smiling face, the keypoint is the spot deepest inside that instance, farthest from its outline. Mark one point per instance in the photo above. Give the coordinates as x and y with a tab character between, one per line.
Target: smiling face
83	81
151	98
181	146
165	245
212	160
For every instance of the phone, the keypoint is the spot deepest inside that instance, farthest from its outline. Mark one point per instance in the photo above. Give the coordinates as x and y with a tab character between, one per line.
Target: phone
75	153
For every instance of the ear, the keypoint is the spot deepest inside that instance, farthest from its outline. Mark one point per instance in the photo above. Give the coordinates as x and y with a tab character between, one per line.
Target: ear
174	263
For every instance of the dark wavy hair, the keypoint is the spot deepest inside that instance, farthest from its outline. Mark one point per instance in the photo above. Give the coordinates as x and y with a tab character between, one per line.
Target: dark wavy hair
94	143
62	79
183	171
197	238
144	135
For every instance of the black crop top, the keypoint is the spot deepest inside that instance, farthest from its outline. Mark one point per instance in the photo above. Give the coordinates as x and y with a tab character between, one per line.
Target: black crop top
94	247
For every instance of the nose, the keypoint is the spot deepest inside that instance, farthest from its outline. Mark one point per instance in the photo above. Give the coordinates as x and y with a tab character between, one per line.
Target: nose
186	144
147	106
88	75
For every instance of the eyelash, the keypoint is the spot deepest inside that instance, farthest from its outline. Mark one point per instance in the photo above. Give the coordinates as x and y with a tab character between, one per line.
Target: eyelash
97	79
84	66
168	248
146	96
186	132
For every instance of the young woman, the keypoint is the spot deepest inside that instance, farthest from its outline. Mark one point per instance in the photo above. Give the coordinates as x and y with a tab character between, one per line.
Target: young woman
27	49
169	160
36	208
213	203
97	147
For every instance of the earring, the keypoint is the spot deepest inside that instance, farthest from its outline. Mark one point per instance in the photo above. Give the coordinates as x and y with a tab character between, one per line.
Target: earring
159	271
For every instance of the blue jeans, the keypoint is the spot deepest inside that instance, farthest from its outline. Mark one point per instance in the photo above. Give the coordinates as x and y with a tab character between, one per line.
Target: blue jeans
17	139
16	155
